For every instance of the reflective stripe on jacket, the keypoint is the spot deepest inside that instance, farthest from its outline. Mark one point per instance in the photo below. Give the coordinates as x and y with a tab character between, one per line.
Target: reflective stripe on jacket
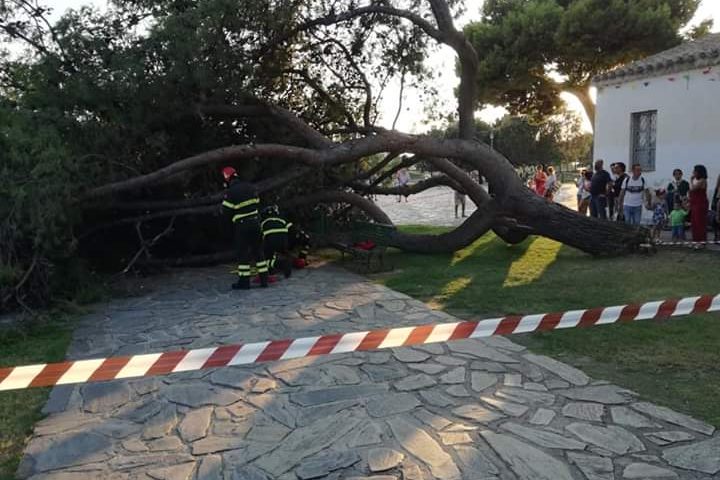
241	201
274	225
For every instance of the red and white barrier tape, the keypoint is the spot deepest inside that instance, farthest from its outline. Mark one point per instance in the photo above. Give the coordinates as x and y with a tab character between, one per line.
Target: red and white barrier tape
151	364
683	244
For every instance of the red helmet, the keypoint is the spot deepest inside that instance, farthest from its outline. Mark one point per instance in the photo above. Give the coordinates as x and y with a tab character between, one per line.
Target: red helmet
228	173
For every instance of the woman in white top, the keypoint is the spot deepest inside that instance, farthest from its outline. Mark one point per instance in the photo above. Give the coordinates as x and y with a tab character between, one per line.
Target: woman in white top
580	184
551	184
584	192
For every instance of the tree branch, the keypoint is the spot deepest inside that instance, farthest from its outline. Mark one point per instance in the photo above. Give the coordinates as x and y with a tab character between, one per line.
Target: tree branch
476	225
407	190
315	85
313	137
382	164
146	245
400	100
367	107
338	196
332	19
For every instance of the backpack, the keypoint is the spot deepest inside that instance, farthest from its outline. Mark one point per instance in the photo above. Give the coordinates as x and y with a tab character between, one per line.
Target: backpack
627	182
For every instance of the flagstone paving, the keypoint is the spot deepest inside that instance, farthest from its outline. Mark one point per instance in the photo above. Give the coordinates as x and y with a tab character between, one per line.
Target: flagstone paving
466	410
436	206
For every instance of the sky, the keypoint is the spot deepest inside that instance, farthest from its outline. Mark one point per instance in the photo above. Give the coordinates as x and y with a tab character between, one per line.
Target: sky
443	61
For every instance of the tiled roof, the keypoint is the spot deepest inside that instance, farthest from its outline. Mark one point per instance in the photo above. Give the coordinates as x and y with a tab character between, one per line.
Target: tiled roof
699	53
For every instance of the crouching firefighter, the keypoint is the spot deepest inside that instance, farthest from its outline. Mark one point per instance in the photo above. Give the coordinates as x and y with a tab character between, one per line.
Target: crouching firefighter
276	243
241	204
300	242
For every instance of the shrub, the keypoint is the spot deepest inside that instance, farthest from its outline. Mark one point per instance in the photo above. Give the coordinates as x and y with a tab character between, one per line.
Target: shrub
39	179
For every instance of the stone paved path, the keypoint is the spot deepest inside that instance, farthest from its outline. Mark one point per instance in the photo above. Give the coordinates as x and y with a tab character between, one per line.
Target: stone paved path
437	206
464	410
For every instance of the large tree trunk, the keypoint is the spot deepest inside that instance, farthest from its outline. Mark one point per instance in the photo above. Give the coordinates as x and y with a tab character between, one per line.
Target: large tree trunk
582	92
591	235
476	225
514	211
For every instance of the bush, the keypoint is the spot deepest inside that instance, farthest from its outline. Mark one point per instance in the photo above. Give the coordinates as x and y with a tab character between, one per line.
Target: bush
39	179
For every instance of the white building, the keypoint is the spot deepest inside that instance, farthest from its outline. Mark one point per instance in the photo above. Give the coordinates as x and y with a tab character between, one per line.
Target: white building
663	112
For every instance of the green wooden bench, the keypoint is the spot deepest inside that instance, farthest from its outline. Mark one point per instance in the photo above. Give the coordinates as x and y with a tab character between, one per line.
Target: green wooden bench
372	260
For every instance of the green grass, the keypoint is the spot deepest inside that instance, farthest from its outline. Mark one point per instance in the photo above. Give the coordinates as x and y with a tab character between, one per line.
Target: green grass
672	362
19	410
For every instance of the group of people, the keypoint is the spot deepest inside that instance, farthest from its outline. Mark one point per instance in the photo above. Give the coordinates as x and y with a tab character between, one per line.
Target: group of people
545	183
263	239
621	196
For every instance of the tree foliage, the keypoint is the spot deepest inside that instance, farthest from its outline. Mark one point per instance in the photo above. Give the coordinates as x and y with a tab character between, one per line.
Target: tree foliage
532	50
40	179
125	92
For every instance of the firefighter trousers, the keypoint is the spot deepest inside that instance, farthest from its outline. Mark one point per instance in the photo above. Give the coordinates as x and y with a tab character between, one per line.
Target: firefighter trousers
249	243
276	252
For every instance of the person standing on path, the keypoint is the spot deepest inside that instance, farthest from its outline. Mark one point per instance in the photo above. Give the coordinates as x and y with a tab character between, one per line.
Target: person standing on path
402	178
699	204
620	176
459	202
612	198
240	204
631	196
677	222
677	189
580	184
599	185
715	207
585	192
539	180
551	184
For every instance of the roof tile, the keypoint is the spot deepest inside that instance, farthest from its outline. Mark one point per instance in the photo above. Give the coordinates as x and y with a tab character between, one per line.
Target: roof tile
687	56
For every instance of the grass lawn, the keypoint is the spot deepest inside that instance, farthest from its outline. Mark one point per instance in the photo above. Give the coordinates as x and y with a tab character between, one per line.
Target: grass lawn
674	363
19	410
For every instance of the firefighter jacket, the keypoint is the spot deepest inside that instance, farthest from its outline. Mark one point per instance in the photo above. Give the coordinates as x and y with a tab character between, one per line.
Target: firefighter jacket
275	225
241	201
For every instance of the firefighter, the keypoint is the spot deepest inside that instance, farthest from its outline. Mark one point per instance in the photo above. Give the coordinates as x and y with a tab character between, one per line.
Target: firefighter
275	232
300	240
241	205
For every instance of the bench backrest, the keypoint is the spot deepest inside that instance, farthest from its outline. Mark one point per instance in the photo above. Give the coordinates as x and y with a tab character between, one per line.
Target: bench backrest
379	233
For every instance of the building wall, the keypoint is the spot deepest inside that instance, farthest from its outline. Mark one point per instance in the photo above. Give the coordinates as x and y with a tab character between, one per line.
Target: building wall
688	123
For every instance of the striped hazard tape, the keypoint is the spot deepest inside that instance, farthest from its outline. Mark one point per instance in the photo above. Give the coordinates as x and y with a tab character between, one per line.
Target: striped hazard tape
151	364
689	244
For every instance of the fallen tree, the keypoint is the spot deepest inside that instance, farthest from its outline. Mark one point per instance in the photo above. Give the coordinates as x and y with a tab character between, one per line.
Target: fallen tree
283	94
513	207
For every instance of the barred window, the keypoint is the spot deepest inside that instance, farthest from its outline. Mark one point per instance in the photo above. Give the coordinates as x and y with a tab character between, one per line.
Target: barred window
644	133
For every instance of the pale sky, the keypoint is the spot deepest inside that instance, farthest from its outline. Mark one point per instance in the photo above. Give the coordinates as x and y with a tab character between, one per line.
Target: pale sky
443	61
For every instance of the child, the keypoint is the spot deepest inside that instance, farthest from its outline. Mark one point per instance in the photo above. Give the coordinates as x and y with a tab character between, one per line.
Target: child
659	213
677	221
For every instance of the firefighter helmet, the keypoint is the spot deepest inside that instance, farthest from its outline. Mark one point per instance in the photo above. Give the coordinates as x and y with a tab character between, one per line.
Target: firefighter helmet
228	173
